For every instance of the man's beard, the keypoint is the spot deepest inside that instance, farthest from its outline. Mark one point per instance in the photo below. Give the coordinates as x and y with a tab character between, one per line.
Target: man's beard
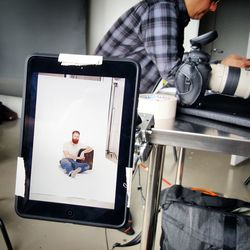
75	141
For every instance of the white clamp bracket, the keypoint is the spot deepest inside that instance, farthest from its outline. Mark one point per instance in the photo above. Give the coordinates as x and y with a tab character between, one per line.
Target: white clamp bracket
79	60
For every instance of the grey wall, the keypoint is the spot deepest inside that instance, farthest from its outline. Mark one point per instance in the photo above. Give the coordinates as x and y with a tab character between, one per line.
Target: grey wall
44	26
232	21
102	15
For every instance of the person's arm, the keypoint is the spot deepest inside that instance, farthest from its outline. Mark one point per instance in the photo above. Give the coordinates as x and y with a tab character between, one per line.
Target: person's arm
67	152
236	61
160	33
86	150
68	155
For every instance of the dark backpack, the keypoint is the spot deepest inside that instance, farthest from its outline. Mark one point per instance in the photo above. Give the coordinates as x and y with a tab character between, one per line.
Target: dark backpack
192	220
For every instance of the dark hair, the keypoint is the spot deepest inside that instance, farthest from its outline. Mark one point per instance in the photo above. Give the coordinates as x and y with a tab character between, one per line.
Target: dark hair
76	131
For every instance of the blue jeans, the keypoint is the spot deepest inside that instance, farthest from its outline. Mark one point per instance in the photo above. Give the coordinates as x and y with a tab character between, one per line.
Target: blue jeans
70	165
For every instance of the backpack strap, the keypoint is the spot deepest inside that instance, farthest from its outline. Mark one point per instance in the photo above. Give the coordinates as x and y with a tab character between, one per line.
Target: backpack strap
177	193
230	231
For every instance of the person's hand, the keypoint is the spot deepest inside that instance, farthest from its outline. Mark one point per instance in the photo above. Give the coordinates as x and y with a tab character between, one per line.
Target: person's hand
82	157
87	150
236	61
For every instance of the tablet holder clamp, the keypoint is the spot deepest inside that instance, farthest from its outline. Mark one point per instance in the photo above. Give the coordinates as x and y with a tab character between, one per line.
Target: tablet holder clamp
143	131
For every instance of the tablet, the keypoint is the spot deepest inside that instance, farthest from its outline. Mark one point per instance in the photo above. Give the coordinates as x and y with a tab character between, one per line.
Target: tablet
77	140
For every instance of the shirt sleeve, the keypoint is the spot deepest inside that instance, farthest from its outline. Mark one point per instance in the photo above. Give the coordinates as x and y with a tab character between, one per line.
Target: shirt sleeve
160	36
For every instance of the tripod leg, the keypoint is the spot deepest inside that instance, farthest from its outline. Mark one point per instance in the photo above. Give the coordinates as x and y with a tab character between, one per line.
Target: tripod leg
5	235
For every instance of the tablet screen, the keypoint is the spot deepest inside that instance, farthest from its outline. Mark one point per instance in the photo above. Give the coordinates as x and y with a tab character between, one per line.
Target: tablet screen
77	142
86	116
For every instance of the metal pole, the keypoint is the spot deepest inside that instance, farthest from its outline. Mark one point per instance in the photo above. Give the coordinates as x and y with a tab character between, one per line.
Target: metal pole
5	235
153	197
180	167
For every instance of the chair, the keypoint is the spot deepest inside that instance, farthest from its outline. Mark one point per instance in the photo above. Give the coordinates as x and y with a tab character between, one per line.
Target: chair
88	158
5	235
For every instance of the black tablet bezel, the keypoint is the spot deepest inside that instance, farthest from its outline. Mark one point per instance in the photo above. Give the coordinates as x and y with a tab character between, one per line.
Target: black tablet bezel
111	67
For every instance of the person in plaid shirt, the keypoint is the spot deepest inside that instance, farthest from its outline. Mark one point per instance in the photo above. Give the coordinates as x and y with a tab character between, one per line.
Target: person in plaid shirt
152	33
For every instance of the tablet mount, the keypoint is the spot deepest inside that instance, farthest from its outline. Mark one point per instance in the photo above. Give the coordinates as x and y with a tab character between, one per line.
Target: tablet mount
142	149
143	131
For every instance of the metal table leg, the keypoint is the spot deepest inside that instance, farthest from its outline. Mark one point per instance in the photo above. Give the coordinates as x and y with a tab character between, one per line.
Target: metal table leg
153	197
180	167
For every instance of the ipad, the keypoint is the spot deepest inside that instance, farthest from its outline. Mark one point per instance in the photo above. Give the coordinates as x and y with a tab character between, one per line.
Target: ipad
77	141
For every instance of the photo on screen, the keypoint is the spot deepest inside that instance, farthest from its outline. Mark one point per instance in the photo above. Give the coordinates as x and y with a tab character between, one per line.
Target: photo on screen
76	139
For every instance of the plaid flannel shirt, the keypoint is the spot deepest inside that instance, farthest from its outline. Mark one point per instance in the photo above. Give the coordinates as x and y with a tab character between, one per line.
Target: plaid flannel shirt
151	33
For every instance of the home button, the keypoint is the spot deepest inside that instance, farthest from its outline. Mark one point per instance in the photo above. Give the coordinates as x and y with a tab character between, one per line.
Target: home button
70	213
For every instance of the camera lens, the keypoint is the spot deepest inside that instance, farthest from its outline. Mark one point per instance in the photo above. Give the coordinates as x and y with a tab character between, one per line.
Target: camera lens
230	81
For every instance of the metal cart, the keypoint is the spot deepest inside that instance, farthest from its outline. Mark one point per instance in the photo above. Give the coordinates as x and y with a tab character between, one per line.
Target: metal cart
185	132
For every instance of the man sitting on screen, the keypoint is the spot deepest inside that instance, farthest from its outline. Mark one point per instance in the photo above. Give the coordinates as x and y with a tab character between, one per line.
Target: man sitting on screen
73	162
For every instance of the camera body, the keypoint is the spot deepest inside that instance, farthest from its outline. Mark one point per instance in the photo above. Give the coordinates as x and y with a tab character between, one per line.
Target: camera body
192	77
196	75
